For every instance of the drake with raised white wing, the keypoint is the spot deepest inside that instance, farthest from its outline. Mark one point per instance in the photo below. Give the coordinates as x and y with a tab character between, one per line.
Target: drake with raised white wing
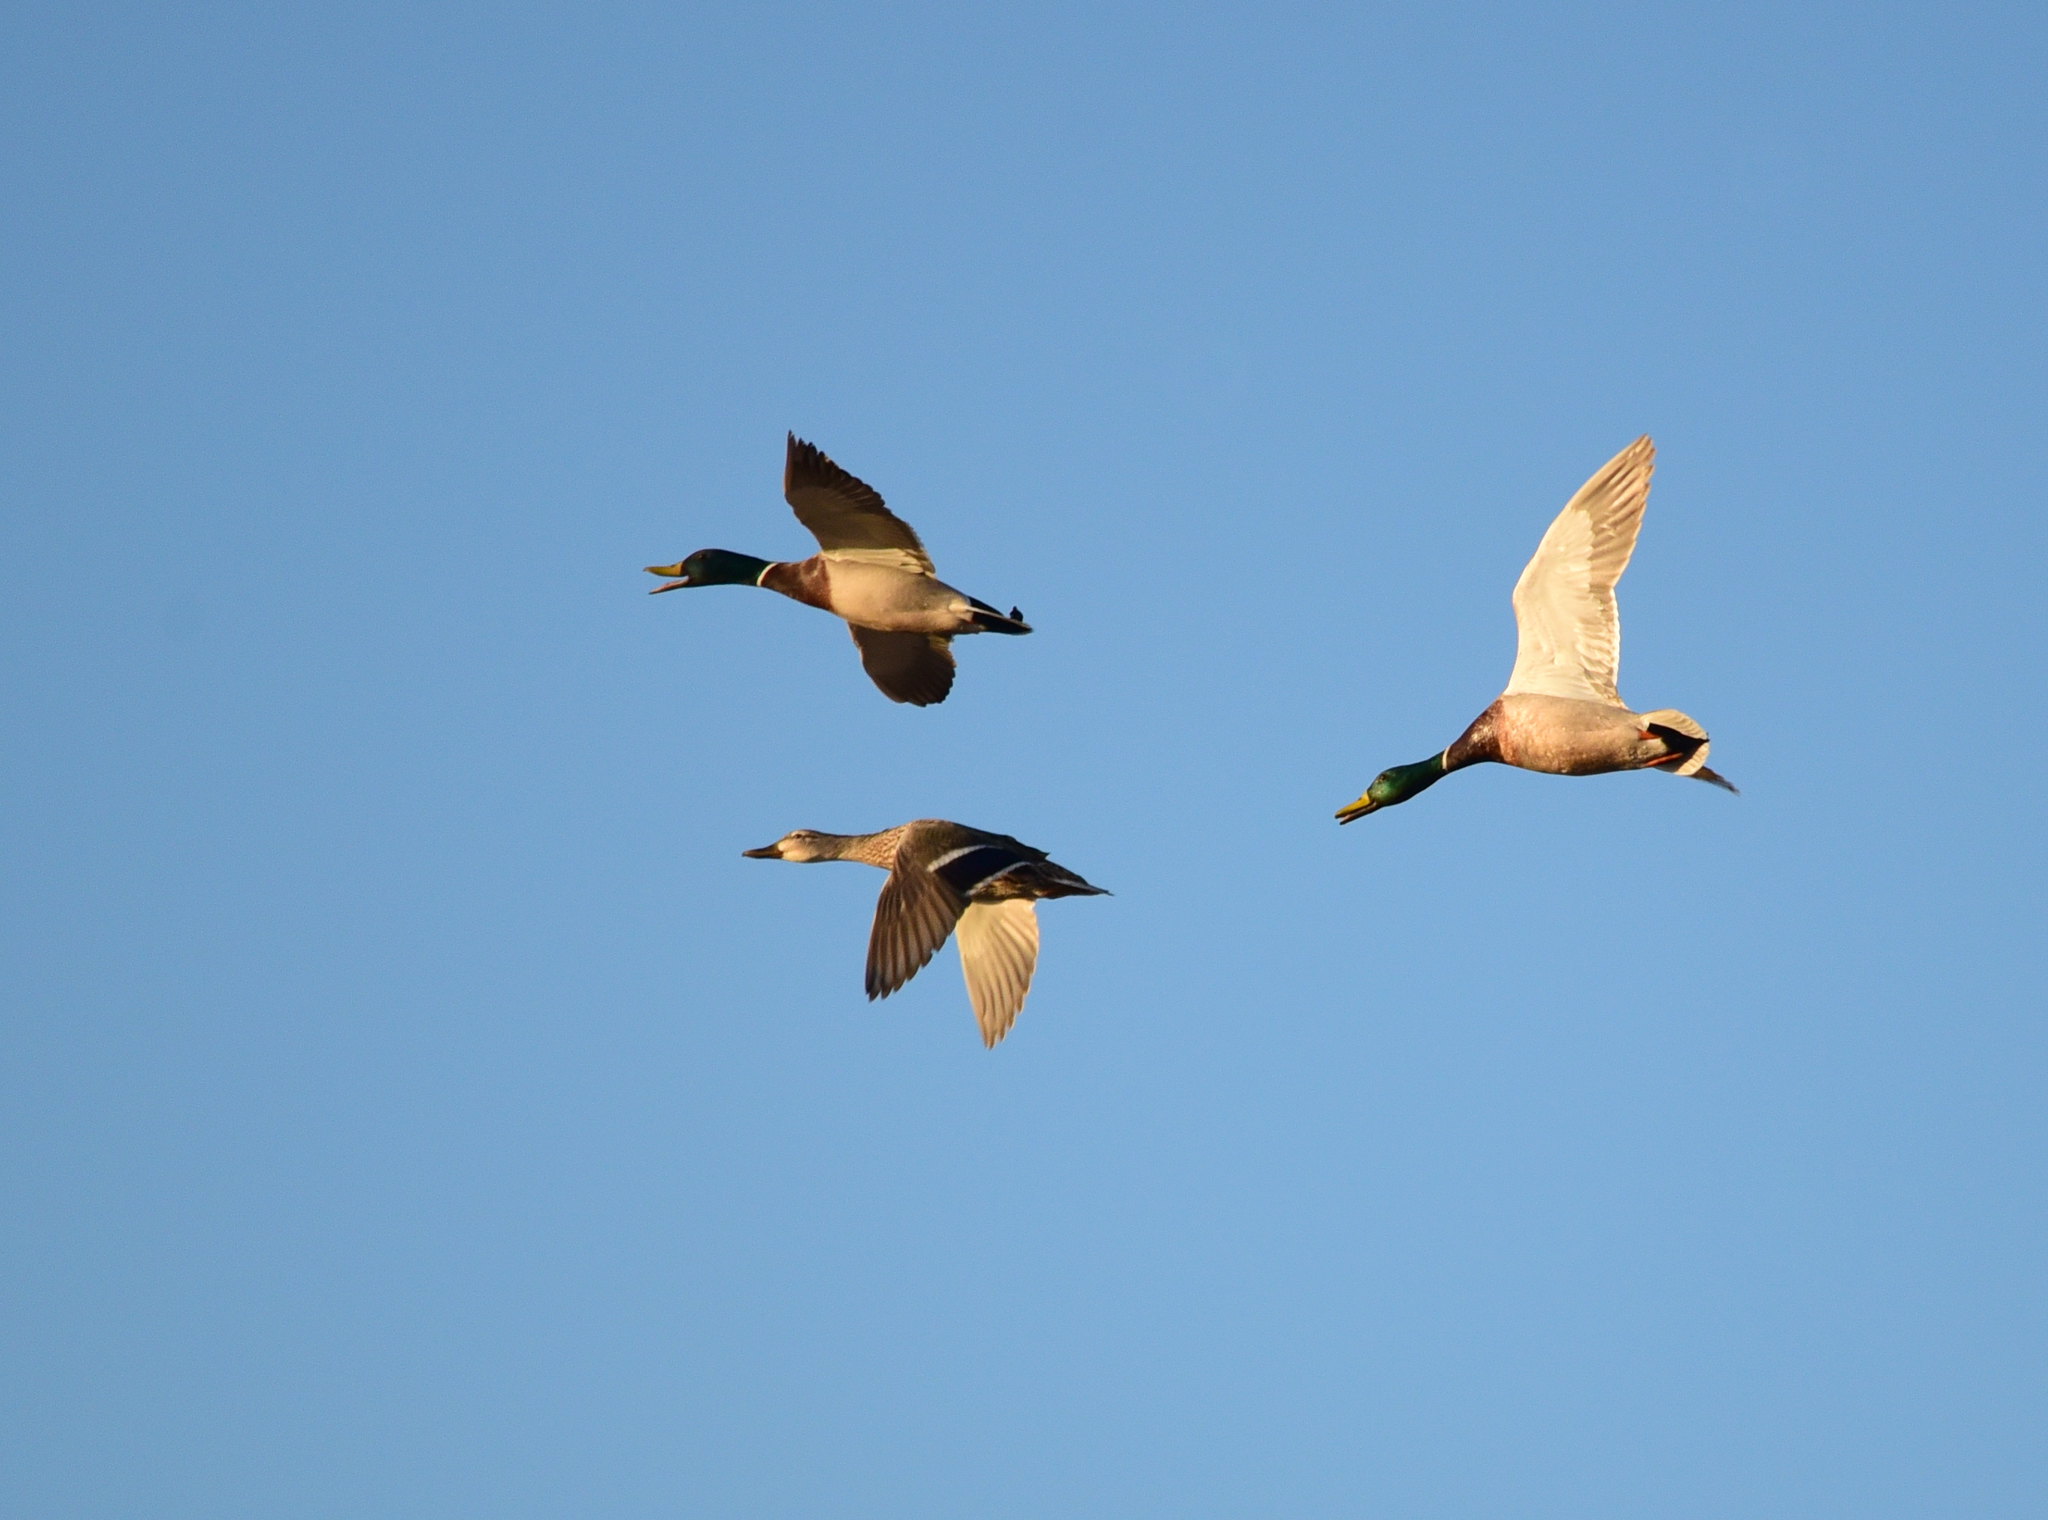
1561	713
871	570
946	879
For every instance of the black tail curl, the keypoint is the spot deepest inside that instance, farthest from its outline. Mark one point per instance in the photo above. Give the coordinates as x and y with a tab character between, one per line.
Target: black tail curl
988	620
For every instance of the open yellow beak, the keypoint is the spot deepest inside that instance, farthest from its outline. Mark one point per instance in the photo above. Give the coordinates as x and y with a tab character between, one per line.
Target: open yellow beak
1351	812
675	569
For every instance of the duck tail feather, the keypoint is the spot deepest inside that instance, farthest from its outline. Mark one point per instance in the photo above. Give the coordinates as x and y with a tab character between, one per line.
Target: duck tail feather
1717	779
987	620
1684	735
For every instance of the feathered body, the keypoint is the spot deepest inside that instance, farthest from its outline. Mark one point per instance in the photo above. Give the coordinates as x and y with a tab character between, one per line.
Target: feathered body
946	879
871	570
1561	713
1568	736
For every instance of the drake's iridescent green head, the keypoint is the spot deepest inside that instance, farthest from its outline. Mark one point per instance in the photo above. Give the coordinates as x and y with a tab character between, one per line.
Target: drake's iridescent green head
1395	784
711	567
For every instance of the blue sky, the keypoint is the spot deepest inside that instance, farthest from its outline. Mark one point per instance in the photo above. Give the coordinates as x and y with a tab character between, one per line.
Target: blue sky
412	1105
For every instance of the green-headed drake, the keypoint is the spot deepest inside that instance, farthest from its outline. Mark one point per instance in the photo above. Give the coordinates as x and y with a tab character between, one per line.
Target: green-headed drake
870	570
1561	713
943	875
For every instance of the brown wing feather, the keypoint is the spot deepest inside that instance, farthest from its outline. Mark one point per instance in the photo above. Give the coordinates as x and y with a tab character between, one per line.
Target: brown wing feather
909	667
916	913
841	511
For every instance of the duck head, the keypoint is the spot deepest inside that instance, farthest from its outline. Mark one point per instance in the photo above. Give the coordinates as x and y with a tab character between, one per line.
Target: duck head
799	845
1395	784
711	567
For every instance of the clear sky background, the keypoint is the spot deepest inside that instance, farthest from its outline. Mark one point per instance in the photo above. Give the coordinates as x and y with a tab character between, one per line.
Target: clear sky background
412	1105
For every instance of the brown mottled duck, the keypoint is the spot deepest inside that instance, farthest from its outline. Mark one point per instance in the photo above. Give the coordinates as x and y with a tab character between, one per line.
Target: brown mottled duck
946	879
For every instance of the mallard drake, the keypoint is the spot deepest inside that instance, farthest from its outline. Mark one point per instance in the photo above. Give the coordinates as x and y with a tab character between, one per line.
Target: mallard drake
941	875
870	570
1561	713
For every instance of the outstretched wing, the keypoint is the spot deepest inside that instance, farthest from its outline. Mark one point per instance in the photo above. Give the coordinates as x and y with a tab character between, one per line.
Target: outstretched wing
998	952
1564	603
916	913
909	667
845	514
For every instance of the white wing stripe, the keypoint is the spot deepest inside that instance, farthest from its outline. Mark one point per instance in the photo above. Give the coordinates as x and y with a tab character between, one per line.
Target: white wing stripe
893	559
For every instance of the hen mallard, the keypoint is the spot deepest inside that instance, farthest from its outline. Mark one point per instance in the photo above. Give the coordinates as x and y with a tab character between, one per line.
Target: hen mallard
1561	713
870	570
943	875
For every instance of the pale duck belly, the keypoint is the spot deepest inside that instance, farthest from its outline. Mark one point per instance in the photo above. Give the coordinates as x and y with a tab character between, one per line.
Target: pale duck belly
1566	736
896	601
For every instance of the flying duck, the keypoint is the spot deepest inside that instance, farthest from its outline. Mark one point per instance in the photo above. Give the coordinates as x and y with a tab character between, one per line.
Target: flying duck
947	879
871	570
1561	713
